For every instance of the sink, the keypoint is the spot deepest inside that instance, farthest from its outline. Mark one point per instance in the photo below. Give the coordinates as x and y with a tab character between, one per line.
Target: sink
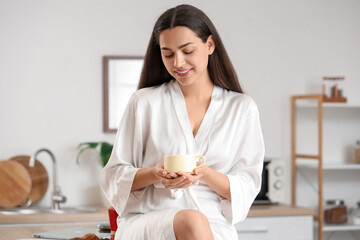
17	211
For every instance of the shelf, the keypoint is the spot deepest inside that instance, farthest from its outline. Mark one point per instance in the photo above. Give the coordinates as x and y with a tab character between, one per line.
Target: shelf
315	104
340	227
312	164
312	104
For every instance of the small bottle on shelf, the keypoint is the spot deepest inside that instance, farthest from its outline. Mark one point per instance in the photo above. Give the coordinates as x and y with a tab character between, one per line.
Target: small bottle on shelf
357	152
354	217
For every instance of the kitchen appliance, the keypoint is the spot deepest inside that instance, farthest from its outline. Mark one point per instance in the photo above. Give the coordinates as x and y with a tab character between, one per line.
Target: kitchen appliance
272	184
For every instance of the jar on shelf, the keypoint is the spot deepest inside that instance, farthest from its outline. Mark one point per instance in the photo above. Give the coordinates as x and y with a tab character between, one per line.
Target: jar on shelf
354	215
357	152
335	211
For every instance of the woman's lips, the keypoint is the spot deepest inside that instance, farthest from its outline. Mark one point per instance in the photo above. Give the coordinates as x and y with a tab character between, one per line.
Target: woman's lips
183	73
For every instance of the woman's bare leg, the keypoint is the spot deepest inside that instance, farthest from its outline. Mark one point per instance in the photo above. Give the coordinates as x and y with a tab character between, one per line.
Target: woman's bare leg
192	224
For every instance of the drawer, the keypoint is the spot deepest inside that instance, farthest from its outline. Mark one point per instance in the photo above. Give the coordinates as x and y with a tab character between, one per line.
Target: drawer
277	228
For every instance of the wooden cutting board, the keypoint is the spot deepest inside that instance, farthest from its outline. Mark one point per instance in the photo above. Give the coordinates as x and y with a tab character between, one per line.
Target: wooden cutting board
38	175
15	184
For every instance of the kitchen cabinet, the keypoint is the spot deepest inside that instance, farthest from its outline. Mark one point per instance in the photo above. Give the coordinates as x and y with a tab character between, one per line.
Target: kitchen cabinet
276	228
319	163
277	222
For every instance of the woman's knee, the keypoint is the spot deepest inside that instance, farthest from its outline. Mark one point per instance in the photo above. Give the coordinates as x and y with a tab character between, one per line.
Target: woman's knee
192	223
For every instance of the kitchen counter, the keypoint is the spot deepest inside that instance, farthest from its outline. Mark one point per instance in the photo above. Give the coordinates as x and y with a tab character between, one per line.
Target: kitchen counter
23	226
18	232
278	210
99	216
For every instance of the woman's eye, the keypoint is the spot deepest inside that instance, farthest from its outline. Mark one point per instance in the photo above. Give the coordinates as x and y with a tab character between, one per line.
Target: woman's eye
188	52
169	56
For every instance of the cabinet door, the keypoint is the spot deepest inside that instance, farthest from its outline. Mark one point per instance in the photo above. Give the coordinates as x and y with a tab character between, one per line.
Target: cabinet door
276	228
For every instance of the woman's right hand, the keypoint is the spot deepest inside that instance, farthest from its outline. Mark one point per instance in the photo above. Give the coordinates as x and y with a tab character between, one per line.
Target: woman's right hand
171	180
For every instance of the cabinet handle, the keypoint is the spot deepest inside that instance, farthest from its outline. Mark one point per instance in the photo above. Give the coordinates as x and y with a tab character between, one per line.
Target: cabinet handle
253	230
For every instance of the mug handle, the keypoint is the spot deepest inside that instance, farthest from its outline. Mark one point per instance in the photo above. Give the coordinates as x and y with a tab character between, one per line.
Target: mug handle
203	161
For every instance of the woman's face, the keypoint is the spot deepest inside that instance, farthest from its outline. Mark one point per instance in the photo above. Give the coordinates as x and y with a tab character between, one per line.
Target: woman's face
185	56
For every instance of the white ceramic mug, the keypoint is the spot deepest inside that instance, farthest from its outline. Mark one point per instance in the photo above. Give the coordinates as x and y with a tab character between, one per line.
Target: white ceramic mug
182	163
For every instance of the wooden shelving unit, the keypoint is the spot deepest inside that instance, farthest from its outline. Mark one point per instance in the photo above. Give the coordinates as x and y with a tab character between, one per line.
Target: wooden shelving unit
314	165
317	158
315	162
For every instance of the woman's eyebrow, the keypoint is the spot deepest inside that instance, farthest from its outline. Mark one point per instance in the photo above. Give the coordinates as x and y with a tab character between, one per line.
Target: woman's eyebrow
182	46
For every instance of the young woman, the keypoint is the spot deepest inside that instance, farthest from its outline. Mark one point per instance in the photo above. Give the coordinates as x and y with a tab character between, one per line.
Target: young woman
189	102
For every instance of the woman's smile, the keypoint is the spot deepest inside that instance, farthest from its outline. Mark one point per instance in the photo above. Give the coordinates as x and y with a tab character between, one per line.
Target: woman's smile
183	73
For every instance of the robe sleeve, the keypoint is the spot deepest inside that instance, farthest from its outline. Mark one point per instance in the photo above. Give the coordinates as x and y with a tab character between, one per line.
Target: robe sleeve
245	175
125	160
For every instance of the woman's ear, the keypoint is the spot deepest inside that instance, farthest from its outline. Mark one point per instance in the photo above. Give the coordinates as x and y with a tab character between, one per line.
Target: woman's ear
210	45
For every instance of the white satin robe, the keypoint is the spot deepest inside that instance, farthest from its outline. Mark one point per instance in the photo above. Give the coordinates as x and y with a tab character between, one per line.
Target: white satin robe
155	123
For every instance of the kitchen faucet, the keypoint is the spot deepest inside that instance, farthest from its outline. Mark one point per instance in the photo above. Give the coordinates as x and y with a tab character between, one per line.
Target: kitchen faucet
56	196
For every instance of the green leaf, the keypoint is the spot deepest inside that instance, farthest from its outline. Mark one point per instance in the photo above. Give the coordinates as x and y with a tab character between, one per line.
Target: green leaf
105	152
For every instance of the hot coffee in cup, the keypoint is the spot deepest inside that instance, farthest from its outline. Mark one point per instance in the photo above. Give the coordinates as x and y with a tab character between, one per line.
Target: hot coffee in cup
182	163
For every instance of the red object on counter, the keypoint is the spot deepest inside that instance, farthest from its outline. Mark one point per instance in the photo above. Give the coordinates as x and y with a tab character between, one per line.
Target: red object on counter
113	223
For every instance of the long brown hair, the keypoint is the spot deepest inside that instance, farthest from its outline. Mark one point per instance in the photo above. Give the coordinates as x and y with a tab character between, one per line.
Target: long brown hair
220	68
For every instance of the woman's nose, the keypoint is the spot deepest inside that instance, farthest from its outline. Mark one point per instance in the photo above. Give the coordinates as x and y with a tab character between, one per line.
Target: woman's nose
179	60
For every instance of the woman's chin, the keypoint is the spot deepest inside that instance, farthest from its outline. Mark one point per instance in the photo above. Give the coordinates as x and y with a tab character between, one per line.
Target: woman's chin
184	82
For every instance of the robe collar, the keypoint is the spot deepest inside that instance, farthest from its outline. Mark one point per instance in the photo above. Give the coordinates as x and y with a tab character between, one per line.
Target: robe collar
199	143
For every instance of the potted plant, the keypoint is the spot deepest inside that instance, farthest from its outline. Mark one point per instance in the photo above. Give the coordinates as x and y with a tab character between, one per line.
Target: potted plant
103	148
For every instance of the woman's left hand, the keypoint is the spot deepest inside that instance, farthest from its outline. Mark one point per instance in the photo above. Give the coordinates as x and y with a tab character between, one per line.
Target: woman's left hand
194	177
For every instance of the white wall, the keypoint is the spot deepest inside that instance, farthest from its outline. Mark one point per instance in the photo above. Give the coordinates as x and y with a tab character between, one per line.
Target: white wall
51	73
